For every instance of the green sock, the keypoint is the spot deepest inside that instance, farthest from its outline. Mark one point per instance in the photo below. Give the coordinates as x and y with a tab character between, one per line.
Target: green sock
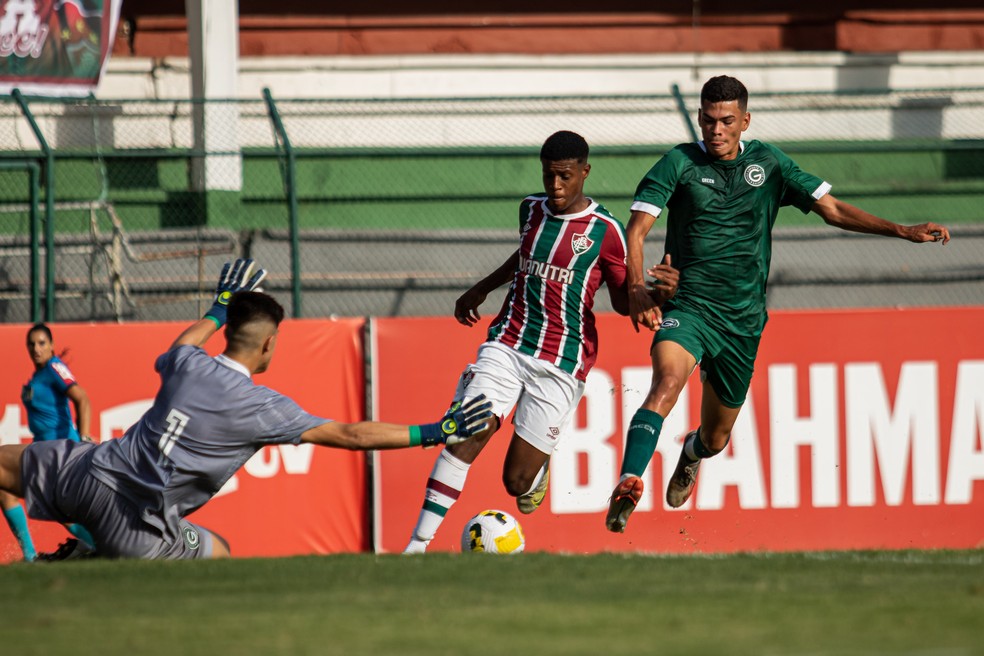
641	443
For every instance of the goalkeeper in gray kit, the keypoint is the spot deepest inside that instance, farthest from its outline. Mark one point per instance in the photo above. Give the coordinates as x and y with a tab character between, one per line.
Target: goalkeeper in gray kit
207	420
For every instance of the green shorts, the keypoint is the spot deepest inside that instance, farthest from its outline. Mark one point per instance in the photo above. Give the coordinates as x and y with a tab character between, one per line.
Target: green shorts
726	360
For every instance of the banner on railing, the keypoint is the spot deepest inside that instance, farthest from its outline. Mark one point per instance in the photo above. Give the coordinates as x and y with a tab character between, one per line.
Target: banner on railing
55	47
286	499
863	429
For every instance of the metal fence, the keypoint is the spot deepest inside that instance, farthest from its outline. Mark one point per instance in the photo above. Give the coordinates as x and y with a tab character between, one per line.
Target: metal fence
393	207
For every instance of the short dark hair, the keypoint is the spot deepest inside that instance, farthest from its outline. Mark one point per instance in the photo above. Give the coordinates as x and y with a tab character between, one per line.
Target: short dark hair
247	307
564	145
724	88
42	328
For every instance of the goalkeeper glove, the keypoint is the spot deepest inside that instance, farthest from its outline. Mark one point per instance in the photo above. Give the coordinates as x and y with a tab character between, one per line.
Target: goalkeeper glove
460	423
231	281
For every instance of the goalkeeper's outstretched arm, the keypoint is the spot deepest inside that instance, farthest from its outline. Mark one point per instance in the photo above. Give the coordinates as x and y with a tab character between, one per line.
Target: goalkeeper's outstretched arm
460	423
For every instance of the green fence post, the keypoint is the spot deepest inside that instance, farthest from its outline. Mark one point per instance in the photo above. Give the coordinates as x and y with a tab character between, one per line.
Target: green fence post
682	107
34	172
34	179
49	207
291	189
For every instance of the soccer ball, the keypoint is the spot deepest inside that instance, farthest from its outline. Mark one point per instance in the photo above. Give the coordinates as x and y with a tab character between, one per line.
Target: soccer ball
493	532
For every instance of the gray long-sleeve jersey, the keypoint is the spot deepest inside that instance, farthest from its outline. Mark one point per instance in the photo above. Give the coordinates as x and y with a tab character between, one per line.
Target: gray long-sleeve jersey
207	420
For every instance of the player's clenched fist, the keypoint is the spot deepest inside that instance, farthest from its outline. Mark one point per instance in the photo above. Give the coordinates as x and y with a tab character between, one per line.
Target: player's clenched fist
643	309
665	280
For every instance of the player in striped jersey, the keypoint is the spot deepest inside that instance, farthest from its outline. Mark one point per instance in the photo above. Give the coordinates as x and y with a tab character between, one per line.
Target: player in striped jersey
723	196
543	343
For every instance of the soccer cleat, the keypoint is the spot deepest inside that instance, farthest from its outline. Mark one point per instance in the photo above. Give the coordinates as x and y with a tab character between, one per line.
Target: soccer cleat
416	546
623	501
684	476
70	549
530	501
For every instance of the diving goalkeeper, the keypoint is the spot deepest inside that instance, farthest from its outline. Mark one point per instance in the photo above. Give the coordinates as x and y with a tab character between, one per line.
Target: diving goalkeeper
208	418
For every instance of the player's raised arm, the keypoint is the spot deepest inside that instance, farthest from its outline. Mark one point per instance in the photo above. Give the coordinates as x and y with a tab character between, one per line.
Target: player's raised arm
848	217
466	307
231	280
459	424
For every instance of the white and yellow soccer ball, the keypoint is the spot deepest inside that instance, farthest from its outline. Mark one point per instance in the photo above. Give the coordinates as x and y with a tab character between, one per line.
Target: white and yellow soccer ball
493	532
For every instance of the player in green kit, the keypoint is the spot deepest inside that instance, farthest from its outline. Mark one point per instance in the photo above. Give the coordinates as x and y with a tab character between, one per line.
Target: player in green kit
722	196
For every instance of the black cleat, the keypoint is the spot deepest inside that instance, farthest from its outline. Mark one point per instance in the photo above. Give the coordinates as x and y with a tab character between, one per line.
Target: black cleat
70	549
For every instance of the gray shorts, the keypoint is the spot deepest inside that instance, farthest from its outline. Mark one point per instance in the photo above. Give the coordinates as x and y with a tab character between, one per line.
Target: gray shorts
58	486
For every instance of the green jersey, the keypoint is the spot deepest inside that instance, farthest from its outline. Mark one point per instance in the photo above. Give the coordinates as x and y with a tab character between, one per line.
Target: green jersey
719	228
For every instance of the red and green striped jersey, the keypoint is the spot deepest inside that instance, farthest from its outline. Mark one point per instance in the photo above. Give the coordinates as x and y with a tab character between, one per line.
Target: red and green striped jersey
562	262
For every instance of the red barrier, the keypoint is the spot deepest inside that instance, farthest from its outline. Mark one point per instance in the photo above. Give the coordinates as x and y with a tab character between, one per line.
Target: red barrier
863	429
287	499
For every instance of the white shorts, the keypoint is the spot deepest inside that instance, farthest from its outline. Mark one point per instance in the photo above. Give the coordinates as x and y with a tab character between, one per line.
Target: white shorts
545	396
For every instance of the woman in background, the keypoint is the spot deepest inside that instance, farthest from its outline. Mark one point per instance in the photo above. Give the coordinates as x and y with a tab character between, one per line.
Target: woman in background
46	397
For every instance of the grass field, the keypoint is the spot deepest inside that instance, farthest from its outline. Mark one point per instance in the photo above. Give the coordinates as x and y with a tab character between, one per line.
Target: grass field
918	603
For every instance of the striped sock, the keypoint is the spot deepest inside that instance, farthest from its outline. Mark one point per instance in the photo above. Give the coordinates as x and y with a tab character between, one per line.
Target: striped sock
539	477
17	521
443	489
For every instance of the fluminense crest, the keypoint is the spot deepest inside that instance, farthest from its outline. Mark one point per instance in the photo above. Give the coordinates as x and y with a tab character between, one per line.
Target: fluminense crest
581	244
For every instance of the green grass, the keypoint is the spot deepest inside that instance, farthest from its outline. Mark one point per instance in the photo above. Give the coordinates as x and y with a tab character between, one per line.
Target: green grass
828	603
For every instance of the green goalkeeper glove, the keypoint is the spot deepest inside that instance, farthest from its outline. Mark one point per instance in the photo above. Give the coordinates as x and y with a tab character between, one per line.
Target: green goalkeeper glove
231	281
458	424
